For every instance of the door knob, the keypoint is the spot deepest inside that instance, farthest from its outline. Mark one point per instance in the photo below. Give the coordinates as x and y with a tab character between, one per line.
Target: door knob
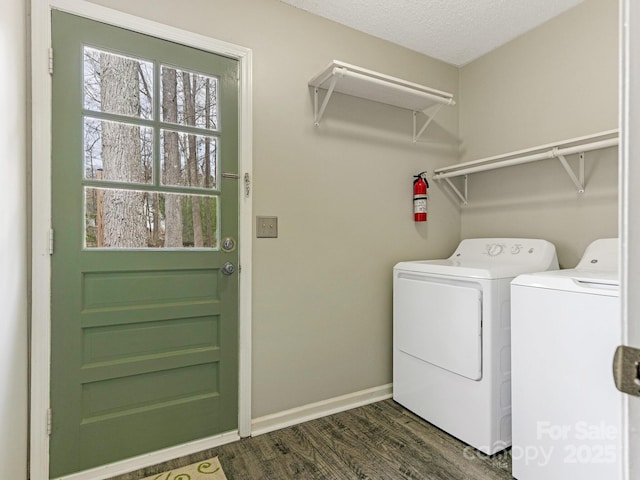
228	268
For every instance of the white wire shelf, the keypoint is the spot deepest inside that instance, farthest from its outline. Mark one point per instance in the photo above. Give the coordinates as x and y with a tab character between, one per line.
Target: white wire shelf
359	82
558	150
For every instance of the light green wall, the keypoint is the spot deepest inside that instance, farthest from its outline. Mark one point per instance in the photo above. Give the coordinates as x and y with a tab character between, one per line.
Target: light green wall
556	82
342	192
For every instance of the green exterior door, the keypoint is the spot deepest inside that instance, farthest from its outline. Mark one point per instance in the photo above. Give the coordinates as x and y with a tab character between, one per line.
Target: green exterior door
144	319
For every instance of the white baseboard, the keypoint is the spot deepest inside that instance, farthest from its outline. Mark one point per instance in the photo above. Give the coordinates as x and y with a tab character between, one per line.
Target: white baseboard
276	421
142	461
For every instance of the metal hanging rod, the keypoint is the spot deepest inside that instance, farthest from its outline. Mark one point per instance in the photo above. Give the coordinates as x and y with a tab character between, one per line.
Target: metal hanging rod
551	150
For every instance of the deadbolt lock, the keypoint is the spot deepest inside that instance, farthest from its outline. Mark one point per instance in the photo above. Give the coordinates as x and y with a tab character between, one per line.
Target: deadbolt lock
626	370
228	244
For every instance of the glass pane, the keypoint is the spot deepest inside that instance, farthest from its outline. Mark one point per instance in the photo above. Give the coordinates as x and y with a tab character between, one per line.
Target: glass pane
117	151
188	160
189	98
116	218
117	84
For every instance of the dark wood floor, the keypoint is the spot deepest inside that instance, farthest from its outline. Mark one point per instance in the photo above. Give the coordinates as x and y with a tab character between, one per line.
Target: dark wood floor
379	441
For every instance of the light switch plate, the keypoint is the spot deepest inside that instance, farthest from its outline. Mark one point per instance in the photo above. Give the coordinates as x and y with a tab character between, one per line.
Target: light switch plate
266	227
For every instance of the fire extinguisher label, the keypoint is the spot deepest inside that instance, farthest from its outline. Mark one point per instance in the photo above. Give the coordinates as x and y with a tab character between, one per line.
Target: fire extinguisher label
420	205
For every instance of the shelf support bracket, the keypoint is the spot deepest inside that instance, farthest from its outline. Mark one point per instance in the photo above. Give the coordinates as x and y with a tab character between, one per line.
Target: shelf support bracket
318	114
430	112
578	180
455	189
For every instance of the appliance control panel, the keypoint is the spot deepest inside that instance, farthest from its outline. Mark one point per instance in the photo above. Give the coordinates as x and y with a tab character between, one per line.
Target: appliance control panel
502	249
600	255
495	249
505	257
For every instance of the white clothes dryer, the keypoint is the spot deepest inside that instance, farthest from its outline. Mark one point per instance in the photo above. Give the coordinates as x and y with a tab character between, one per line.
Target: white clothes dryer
451	336
567	413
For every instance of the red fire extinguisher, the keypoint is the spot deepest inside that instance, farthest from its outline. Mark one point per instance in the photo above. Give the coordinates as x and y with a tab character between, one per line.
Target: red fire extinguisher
420	186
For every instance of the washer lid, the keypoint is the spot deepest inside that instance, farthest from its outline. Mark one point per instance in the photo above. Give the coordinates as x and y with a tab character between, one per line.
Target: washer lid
596	273
490	258
572	280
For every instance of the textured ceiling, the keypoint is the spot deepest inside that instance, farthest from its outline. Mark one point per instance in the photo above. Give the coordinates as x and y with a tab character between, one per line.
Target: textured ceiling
455	31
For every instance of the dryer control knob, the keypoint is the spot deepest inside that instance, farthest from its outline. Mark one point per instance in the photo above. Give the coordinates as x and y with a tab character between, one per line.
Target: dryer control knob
495	249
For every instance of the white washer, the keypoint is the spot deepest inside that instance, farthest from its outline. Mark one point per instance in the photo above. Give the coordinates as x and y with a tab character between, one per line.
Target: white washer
451	337
567	412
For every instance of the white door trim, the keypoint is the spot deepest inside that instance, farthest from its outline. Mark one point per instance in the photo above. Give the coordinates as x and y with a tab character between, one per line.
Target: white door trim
41	204
629	211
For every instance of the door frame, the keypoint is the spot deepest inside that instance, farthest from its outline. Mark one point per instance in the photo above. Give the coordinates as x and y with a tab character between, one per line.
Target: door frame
628	216
41	227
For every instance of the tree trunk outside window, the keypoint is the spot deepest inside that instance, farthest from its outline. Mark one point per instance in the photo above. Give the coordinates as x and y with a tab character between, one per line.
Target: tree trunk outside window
123	219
